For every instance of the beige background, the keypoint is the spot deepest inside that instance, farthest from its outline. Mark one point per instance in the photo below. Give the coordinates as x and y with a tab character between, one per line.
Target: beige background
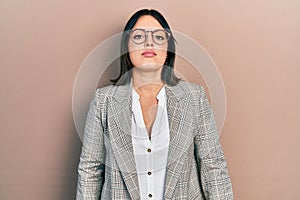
255	44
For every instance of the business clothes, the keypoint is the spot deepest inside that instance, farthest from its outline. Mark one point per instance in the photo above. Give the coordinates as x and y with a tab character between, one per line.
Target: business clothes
196	166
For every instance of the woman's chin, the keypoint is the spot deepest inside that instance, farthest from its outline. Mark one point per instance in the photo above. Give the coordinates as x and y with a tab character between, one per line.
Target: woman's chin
149	66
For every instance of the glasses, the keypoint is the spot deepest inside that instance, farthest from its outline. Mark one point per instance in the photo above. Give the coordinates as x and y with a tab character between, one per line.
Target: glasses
159	36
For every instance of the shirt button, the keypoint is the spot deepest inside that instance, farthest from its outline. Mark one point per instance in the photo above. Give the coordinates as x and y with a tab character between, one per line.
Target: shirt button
149	173
150	195
149	150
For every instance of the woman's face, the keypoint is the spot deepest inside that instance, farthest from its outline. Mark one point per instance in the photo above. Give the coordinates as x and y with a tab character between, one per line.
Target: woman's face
147	55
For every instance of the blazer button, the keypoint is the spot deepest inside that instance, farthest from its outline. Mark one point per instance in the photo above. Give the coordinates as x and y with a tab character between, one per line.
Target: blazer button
150	195
149	173
149	150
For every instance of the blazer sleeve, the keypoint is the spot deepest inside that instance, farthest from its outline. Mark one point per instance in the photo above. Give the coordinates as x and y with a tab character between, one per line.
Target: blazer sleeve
92	159
212	166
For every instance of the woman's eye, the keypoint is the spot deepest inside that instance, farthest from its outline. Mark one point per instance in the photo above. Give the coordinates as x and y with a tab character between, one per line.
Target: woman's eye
159	37
137	36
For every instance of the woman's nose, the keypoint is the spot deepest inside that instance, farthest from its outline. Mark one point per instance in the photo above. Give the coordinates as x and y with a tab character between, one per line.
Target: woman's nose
149	44
149	41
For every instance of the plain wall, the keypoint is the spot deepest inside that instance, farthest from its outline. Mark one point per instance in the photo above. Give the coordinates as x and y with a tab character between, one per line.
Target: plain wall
255	45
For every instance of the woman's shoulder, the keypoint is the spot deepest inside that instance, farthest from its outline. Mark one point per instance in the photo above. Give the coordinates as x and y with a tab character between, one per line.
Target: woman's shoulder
190	87
196	92
105	91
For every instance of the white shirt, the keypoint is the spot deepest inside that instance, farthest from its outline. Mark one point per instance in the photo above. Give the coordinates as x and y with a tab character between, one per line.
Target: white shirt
151	155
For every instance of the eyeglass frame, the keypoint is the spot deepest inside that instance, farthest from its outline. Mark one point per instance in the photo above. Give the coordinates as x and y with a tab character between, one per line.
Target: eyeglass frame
146	33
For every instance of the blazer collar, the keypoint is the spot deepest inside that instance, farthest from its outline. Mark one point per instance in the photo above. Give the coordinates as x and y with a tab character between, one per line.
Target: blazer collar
124	92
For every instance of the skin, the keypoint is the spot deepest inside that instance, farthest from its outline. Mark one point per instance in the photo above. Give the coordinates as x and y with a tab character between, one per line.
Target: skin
146	73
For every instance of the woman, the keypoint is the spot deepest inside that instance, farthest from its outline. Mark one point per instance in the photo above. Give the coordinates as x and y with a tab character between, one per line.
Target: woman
151	135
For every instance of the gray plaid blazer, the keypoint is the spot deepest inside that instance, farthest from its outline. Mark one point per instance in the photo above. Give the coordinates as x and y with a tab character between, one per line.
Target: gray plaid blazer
196	168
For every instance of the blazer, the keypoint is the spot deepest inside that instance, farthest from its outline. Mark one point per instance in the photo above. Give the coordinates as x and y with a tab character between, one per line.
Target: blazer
196	167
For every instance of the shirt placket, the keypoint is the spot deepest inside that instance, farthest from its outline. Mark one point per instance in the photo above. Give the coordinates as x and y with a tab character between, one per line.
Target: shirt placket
151	144
149	171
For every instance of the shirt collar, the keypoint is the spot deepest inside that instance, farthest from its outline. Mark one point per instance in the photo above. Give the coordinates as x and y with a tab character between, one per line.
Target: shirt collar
136	96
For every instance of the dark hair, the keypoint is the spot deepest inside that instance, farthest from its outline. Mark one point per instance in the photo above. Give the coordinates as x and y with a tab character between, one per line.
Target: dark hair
167	74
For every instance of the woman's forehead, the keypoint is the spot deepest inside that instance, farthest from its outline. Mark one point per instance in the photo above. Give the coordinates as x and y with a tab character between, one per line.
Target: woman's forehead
147	21
150	28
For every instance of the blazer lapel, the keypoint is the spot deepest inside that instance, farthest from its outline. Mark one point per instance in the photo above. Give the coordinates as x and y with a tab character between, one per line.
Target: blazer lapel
121	115
180	115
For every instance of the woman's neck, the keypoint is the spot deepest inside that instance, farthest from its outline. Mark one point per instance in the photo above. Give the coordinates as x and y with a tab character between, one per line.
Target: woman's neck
147	82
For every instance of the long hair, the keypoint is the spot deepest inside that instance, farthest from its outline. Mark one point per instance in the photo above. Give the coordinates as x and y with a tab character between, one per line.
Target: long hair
167	74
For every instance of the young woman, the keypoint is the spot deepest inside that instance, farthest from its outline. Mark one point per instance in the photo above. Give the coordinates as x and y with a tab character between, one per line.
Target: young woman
151	135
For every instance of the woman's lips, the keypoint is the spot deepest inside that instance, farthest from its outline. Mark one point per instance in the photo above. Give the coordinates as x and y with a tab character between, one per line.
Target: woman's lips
149	53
